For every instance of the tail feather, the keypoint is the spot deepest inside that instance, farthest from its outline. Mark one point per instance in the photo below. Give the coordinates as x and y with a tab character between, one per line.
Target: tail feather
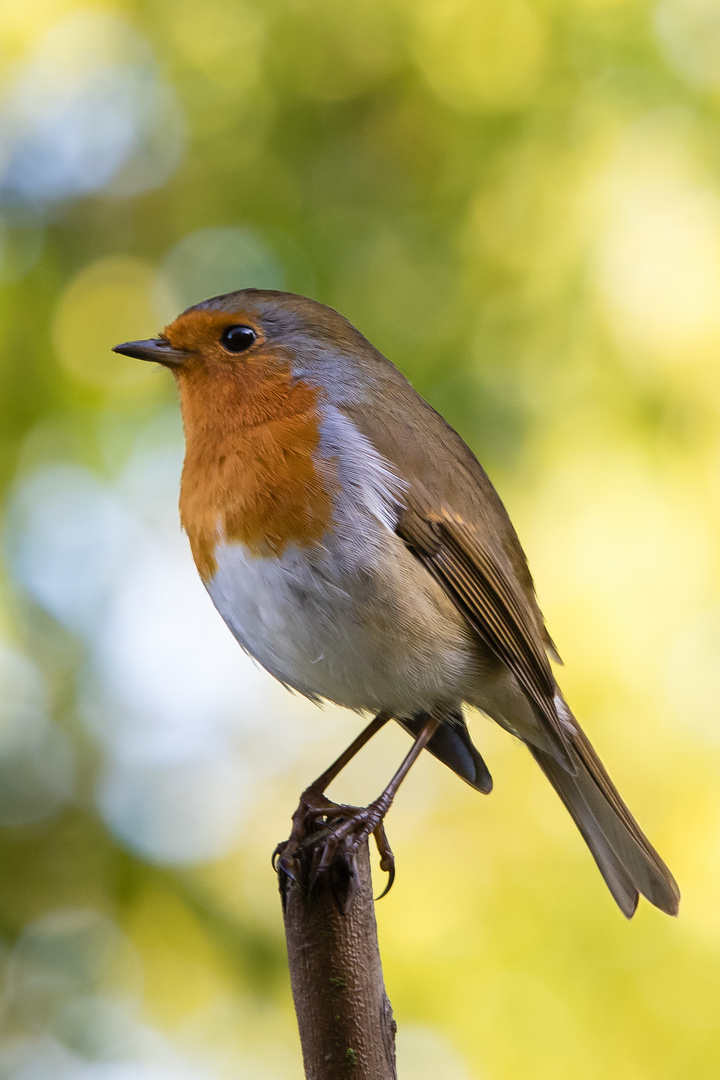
626	858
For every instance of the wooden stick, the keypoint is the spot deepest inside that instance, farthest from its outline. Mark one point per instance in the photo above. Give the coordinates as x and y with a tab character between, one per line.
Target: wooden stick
344	1016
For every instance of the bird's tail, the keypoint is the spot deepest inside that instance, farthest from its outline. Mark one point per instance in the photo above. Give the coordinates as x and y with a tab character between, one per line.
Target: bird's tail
626	858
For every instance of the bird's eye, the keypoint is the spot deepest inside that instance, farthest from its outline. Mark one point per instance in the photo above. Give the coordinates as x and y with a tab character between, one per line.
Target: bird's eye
238	338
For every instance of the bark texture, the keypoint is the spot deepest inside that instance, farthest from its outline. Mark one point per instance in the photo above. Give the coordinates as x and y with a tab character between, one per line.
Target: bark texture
344	1016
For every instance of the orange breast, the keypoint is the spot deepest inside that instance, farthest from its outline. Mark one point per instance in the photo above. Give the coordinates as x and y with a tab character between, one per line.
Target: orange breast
251	473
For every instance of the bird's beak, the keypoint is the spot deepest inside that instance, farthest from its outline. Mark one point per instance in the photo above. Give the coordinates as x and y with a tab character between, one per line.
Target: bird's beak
157	349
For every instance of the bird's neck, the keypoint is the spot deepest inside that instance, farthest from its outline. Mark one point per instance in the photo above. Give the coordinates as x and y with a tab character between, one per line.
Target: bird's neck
252	473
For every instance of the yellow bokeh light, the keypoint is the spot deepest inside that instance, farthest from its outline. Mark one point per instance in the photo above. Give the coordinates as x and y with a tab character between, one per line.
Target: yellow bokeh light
657	265
207	35
486	56
21	23
109	301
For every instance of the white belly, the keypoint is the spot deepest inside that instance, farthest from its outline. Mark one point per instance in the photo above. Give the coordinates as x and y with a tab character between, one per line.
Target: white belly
354	619
358	622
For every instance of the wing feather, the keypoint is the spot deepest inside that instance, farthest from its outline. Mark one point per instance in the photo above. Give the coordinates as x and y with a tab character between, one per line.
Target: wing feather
489	598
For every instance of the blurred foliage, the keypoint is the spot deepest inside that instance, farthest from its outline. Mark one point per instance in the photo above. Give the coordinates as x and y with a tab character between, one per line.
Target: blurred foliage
518	201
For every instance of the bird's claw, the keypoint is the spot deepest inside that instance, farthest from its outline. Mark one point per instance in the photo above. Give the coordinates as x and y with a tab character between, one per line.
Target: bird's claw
286	858
321	852
387	859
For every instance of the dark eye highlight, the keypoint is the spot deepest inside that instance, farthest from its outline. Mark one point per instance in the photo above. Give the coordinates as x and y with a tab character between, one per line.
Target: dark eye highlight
238	338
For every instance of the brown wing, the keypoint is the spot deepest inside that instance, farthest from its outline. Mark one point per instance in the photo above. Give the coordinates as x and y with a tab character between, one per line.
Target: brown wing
489	598
426	451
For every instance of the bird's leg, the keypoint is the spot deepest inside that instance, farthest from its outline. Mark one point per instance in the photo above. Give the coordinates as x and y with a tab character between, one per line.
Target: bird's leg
313	803
356	745
334	855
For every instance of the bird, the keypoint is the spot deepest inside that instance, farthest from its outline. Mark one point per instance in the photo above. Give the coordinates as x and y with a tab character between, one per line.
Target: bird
356	548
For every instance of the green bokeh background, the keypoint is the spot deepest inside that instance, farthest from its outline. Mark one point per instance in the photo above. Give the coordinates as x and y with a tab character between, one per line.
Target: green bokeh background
518	201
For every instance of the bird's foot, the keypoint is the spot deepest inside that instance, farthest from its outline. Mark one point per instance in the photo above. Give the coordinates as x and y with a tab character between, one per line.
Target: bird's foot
285	858
322	848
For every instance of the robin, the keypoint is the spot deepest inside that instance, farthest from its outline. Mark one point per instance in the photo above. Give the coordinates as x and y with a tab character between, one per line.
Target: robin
356	548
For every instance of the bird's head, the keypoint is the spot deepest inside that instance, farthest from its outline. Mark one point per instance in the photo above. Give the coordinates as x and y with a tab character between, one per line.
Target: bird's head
245	335
257	371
